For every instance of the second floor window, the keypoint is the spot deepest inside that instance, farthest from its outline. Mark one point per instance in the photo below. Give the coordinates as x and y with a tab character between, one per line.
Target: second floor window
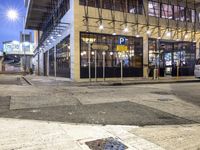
167	11
154	9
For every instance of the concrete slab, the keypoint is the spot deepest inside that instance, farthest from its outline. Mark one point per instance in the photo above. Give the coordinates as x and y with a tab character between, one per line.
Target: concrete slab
26	134
24	102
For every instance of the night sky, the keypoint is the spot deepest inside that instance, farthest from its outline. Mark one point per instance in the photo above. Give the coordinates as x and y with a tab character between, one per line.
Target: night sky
10	30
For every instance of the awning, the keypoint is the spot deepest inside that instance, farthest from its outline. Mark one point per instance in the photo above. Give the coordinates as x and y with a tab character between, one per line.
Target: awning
37	11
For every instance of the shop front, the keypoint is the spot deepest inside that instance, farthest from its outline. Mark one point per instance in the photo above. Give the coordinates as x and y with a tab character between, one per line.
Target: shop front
110	58
172	58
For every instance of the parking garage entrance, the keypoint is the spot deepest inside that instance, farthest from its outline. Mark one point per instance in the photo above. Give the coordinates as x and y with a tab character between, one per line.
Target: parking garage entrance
172	58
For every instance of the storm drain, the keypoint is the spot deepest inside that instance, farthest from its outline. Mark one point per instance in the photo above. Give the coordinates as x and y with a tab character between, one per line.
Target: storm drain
165	99
163	93
106	144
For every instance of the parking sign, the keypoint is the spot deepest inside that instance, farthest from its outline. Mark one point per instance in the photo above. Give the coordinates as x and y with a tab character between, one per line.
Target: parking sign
122	41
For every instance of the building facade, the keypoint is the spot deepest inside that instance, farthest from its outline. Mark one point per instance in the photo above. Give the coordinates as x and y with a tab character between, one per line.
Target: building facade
80	39
18	54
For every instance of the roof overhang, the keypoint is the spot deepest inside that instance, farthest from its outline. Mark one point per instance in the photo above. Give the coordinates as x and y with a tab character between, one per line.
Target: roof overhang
37	10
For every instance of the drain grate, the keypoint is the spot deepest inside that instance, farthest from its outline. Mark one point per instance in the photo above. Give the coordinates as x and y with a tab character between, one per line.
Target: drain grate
106	144
163	93
165	99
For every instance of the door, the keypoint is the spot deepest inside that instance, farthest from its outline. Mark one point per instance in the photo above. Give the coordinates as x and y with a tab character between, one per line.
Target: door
168	63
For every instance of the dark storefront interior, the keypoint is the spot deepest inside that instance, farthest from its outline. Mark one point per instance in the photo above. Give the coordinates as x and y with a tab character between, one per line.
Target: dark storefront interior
171	54
62	59
132	64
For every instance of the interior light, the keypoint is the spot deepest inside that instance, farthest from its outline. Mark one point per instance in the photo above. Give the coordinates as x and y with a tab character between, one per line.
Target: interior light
126	29
137	35
148	32
168	34
101	27
114	33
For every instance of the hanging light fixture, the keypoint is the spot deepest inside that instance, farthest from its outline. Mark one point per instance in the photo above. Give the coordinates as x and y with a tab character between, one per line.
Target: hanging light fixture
101	27
168	33
148	32
126	29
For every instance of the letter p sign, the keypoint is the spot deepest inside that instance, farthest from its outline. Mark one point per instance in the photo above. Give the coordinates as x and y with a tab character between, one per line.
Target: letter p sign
122	41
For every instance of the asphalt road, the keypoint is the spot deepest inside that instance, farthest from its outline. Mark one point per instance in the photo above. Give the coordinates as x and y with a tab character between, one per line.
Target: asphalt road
160	104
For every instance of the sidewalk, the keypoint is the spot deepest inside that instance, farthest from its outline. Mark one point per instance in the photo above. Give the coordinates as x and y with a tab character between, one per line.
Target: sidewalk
31	79
29	134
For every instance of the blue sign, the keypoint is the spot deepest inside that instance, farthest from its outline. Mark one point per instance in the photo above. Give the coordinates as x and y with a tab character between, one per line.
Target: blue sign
122	41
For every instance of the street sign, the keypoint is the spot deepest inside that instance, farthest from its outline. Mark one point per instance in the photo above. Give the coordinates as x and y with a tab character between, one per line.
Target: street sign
122	48
102	47
121	41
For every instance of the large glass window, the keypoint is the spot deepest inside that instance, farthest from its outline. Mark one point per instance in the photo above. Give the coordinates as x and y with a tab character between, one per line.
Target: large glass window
63	58
135	6
154	9
132	6
51	62
132	62
170	55
167	11
179	13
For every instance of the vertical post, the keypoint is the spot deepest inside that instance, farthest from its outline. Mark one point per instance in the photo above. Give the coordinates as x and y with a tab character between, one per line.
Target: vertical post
95	55
177	69
23	41
103	66
55	62
89	60
121	70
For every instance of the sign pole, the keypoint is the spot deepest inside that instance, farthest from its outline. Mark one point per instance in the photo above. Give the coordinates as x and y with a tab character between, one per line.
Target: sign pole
89	63
121	70
95	55
103	66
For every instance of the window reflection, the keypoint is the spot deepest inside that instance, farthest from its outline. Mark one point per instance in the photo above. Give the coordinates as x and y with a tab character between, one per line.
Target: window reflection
133	58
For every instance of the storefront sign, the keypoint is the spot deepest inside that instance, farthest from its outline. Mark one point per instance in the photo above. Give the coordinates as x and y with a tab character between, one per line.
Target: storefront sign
122	48
101	47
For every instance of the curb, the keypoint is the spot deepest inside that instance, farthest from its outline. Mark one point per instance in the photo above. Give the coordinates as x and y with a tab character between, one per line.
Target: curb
29	83
151	82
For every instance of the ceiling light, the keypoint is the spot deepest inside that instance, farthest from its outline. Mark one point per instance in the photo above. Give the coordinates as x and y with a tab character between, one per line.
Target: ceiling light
126	29
148	32
101	27
168	34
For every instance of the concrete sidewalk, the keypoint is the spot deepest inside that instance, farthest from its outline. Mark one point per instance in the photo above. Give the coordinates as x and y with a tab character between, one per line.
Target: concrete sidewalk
108	82
34	135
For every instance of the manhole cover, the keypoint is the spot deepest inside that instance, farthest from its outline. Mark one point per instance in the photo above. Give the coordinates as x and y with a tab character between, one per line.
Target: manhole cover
106	144
165	99
163	93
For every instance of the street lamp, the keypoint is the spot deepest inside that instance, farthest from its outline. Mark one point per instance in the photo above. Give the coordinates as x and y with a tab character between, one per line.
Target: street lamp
12	14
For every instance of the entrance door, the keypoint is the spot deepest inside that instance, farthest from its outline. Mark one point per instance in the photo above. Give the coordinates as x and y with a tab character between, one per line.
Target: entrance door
168	63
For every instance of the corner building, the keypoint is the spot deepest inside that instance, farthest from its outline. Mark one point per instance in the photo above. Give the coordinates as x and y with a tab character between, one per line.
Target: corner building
160	34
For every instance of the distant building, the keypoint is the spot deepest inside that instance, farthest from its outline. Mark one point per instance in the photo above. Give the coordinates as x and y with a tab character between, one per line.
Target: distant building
18	54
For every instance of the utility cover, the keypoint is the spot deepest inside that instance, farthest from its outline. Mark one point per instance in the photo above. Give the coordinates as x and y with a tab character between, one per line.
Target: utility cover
106	144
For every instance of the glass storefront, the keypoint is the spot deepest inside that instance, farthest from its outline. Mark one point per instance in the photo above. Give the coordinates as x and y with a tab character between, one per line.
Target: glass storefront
170	56
132	63
62	59
51	62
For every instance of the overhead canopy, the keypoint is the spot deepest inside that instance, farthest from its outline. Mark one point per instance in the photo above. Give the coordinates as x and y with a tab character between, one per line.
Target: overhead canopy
37	11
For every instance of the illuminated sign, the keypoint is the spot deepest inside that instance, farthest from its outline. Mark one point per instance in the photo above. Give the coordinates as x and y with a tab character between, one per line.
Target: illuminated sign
15	47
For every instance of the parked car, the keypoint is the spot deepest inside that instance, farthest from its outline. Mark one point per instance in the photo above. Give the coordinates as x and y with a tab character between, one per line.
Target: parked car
197	69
